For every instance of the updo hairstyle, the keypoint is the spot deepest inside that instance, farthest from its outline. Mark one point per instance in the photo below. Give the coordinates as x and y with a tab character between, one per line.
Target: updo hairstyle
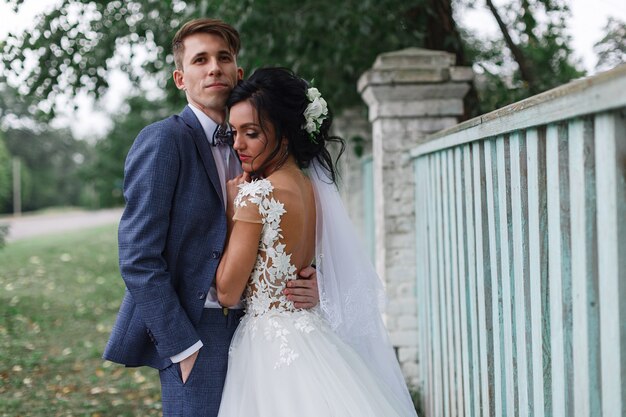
280	98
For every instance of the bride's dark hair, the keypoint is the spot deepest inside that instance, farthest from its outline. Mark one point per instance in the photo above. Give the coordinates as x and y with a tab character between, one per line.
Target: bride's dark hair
280	97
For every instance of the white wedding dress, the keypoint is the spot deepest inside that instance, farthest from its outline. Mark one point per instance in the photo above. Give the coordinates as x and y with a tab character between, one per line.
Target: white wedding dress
286	362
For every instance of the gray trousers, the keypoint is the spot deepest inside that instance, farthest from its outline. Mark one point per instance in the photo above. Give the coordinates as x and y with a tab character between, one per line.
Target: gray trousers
200	395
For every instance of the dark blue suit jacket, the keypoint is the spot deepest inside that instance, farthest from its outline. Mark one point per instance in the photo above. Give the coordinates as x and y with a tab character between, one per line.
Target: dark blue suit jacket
171	237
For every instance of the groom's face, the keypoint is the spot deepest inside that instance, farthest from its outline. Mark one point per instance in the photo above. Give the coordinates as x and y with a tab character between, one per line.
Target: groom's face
209	73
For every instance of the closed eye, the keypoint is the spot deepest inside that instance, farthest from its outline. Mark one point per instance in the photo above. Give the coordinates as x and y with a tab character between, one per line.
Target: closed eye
226	57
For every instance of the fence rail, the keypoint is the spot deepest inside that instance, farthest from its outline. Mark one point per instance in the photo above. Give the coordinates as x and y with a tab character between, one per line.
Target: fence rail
521	247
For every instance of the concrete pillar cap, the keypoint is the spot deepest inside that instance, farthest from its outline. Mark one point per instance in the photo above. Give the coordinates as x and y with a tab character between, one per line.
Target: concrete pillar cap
414	58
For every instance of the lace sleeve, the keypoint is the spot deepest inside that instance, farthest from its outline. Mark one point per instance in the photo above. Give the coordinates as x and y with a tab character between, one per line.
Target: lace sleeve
248	212
249	200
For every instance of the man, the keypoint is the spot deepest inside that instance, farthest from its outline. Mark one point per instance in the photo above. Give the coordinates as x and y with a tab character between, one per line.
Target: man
173	230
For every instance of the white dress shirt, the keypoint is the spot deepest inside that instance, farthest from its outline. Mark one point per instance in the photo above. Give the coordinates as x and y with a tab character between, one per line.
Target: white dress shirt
228	167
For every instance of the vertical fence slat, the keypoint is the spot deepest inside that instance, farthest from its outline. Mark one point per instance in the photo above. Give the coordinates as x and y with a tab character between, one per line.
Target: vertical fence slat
475	359
494	257
483	281
579	267
520	274
536	255
457	393
450	394
555	271
505	277
592	289
432	257
430	394
442	370
430	276
421	236
462	245
610	187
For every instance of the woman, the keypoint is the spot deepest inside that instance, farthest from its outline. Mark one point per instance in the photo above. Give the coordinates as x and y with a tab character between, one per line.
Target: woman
336	361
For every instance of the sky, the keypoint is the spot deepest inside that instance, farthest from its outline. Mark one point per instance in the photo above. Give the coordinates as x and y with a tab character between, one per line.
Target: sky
588	20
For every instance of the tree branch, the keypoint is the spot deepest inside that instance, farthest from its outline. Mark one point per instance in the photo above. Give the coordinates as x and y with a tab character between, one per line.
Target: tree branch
524	66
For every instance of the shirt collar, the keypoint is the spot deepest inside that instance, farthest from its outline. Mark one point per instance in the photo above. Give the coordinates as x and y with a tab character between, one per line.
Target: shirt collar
208	125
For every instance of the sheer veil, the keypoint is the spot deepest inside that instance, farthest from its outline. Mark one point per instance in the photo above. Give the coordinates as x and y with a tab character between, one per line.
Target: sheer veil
351	294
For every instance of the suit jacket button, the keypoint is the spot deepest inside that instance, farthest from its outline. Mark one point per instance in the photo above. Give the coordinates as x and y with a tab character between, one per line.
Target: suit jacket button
216	254
201	295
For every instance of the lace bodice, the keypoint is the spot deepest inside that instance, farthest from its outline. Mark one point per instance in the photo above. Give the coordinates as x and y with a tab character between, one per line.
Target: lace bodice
273	268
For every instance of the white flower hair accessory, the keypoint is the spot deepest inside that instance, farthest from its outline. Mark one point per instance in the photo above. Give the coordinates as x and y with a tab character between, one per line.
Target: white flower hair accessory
315	113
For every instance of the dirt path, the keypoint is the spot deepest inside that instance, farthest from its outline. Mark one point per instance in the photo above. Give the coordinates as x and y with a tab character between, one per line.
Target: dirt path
41	224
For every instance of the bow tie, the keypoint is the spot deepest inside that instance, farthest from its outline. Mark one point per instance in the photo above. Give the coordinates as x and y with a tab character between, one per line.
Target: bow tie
222	136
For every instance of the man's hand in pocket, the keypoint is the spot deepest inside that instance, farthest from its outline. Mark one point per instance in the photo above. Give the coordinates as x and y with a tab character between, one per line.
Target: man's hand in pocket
186	365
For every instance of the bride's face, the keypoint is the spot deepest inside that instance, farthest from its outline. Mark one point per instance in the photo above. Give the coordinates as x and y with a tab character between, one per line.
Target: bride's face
254	143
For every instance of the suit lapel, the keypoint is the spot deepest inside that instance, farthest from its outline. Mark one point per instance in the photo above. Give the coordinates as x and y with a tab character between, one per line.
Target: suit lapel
204	149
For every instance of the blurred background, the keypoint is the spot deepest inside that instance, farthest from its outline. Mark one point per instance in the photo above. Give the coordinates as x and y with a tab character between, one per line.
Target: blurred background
79	79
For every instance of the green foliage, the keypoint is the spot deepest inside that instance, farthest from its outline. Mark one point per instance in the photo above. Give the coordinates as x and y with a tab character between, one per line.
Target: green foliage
539	29
77	43
12	103
4	232
321	40
59	299
49	166
611	49
416	396
106	172
5	174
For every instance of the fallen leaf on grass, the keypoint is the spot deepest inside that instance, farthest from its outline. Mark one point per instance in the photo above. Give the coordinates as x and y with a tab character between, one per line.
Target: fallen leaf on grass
138	377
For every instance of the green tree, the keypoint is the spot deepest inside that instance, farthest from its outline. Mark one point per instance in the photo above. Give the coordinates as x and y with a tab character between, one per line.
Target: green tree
5	175
79	42
105	172
50	161
533	53
611	49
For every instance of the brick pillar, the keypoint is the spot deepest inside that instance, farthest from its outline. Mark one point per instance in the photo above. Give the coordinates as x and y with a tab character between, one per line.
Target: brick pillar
410	94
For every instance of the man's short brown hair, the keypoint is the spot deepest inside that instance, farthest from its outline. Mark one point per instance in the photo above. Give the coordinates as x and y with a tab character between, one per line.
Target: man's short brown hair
206	25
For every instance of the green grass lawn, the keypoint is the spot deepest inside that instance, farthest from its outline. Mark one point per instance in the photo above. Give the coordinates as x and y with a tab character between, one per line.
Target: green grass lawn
58	299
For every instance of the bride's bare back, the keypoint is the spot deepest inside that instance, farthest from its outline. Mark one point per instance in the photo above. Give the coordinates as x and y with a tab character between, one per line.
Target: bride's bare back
284	205
294	190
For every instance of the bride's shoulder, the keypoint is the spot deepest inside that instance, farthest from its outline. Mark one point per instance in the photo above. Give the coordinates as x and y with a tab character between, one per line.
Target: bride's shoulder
260	186
254	191
285	184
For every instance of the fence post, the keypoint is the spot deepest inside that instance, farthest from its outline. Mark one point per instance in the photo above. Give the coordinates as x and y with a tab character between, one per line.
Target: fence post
410	93
17	187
